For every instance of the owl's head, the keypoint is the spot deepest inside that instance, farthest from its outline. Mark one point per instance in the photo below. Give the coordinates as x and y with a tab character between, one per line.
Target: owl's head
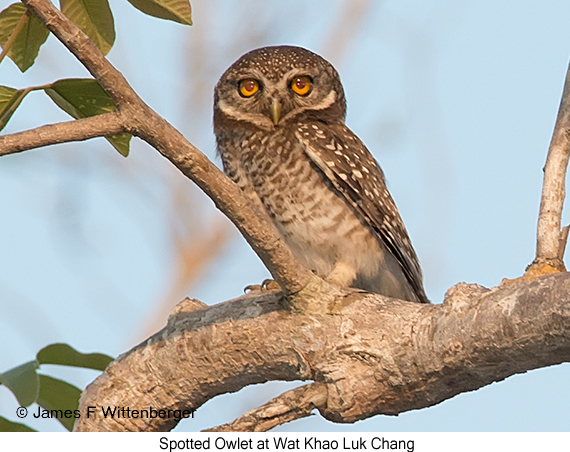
273	86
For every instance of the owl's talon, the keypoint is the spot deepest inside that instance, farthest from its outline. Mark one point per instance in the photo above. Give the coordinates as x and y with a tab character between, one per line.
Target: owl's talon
267	284
270	284
252	288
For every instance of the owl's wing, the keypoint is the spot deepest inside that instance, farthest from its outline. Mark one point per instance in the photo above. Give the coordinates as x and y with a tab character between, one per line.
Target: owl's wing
352	170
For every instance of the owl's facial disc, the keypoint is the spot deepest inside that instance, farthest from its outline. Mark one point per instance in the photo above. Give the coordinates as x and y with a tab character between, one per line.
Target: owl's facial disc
268	100
276	87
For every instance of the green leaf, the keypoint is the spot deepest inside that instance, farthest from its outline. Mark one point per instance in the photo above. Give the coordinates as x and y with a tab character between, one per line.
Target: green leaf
30	36
175	10
10	98
82	98
94	18
23	381
9	426
121	143
65	355
61	396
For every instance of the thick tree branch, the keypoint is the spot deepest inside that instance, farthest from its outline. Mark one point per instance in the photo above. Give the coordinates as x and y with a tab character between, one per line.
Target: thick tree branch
550	239
107	124
289	406
375	355
140	120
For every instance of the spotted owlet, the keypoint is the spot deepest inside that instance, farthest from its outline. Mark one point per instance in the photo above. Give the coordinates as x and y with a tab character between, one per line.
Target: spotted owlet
279	123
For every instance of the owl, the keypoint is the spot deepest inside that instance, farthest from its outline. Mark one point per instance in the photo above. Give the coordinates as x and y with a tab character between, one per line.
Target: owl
279	121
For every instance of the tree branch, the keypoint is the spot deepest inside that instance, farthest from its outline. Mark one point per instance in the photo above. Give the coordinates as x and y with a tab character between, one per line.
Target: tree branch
289	406
140	120
107	124
374	355
549	235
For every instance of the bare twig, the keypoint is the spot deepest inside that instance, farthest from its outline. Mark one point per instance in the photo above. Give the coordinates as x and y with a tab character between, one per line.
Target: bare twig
289	406
140	120
553	189
107	124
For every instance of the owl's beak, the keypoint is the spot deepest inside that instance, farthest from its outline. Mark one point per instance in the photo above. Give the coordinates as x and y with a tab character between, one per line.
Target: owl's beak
275	111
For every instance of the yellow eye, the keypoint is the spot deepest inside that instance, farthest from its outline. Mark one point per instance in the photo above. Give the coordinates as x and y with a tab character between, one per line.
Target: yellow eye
302	85
248	87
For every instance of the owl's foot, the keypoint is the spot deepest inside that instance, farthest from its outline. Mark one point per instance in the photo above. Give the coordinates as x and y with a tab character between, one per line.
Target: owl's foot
343	274
267	284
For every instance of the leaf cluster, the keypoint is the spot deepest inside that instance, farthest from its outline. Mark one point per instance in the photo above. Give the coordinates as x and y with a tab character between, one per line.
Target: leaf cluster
22	35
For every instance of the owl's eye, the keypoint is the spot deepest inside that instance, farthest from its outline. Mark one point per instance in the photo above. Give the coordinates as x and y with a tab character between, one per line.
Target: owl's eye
302	85
248	87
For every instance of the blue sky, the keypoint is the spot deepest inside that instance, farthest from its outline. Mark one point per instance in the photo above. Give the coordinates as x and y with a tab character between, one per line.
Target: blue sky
456	100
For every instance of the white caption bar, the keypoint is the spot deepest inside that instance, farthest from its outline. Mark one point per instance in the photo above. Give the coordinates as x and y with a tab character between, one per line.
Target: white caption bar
404	442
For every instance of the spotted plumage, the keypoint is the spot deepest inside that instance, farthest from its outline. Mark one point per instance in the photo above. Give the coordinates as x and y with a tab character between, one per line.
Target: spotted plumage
279	123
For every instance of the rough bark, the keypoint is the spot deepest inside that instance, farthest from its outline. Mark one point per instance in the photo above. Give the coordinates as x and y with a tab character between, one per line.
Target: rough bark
295	404
372	354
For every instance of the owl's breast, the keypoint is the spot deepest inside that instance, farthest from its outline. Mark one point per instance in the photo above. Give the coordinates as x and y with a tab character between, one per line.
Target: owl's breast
315	221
